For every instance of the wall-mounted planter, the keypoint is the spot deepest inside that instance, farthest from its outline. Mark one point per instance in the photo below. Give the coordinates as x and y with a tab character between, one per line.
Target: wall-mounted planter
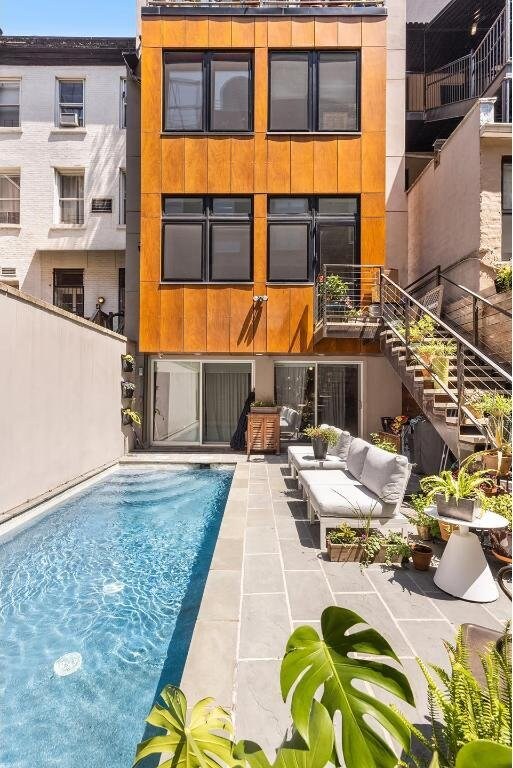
127	363
127	390
126	420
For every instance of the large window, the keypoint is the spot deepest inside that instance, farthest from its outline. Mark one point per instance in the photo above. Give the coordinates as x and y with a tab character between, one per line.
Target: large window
207	92
506	209
313	91
305	233
10	198
207	239
9	103
68	290
71	197
70	103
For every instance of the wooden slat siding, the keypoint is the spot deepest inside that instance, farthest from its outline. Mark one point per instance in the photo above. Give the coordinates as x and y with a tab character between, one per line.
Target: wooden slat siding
218	318
349	164
150	250
194	318
171	318
214	318
173	165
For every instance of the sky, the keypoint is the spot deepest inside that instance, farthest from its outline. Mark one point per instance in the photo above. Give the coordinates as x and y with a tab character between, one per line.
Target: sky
74	18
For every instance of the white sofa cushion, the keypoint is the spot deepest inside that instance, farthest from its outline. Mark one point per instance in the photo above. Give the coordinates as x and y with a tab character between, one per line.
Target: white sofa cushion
309	477
348	501
301	456
356	456
385	474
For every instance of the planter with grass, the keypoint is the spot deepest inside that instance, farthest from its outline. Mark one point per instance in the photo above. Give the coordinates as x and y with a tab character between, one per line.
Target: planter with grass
421	555
436	354
457	494
343	545
264	406
129	417
322	438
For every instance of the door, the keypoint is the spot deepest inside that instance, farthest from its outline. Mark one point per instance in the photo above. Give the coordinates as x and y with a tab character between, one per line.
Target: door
338	396
226	387
176	401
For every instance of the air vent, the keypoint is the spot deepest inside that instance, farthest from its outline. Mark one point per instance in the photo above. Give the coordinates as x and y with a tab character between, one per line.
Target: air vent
68	120
101	205
8	271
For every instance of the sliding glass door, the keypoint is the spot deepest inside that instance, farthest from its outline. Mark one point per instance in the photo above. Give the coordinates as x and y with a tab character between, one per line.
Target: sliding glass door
198	402
317	393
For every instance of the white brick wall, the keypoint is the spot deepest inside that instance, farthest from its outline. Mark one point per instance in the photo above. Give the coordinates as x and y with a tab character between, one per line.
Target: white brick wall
37	149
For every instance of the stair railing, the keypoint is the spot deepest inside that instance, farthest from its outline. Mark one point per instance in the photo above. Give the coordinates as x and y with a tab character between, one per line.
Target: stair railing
460	371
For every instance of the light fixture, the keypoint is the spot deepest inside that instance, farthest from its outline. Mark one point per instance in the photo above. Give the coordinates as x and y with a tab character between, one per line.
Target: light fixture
101	300
473	29
260	298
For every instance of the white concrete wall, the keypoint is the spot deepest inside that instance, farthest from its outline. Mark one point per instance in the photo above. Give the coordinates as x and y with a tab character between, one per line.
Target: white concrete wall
396	203
444	203
38	148
61	400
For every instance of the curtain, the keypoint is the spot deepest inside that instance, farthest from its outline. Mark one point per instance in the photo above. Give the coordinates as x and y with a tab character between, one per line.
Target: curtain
337	396
225	390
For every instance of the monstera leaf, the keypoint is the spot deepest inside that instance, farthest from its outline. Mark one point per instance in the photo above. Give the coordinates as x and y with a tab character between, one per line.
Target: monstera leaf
200	744
312	663
295	753
484	754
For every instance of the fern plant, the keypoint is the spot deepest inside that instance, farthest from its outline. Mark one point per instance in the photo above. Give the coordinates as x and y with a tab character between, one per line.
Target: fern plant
461	709
463	485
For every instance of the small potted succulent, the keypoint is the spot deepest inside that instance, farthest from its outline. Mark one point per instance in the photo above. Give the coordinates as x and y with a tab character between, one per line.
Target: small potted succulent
343	544
127	362
264	406
503	278
423	521
127	390
128	416
322	438
457	494
421	555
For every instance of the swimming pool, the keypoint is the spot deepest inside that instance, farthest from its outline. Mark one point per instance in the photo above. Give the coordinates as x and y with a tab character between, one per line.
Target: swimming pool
98	601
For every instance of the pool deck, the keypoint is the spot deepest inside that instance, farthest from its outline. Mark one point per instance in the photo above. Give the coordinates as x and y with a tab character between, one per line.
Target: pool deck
268	576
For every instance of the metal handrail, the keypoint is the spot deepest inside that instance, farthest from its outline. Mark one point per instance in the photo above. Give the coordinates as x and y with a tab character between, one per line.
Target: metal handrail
464	342
475	295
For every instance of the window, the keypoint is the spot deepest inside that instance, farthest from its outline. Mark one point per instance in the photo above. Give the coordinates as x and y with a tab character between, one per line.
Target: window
207	92
70	103
314	91
9	103
68	290
10	198
207	239
122	102
506	209
122	197
71	197
121	291
305	233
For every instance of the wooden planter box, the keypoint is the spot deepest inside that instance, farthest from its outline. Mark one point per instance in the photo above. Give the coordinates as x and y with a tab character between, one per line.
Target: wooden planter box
394	439
344	553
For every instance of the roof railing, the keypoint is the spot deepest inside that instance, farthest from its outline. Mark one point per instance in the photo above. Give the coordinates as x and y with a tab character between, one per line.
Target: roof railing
268	3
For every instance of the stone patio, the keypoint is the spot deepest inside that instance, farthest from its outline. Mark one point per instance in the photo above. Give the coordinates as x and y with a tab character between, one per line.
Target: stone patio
268	576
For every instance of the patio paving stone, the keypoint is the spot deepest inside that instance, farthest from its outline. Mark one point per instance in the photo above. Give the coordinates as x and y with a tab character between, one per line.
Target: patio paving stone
263	573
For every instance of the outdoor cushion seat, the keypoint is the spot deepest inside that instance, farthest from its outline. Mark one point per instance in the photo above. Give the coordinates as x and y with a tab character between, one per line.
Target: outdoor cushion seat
302	457
318	477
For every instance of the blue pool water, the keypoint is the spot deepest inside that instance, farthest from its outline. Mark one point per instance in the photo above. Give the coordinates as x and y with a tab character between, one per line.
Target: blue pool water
115	574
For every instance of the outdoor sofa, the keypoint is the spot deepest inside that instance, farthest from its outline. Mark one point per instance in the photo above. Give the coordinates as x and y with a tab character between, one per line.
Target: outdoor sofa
359	481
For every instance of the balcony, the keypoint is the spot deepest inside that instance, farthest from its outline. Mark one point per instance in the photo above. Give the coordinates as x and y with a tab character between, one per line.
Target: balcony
347	302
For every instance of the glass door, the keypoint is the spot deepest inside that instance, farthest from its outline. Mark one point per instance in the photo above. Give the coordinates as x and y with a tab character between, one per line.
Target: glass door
338	396
294	388
176	402
226	387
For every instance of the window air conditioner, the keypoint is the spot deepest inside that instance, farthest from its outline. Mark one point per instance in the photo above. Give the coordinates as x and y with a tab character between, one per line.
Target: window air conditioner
69	120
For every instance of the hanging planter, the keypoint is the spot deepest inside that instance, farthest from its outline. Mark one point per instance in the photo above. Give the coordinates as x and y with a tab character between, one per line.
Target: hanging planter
127	390
129	417
127	363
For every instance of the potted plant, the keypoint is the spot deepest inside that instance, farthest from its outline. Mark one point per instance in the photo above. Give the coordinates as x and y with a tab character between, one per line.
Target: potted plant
472	402
497	409
419	502
127	362
343	544
501	537
380	440
322	438
421	555
436	354
264	406
396	549
421	329
128	416
503	278
457	494
334	289
127	389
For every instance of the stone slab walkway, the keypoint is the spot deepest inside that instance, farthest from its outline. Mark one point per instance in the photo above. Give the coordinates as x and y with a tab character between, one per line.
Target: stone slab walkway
268	576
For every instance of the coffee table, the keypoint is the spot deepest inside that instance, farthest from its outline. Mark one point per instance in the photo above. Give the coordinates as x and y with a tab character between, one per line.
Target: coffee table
463	571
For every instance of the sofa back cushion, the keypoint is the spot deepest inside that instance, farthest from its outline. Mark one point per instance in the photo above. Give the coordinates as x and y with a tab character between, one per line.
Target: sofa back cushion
385	474
341	449
356	456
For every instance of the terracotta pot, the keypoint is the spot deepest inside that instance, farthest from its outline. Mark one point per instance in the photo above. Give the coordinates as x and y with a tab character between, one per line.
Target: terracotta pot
320	448
424	532
497	461
446	529
344	553
421	556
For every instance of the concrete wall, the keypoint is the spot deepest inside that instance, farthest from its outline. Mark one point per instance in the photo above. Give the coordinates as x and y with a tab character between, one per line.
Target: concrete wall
38	148
444	203
381	395
395	194
61	399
